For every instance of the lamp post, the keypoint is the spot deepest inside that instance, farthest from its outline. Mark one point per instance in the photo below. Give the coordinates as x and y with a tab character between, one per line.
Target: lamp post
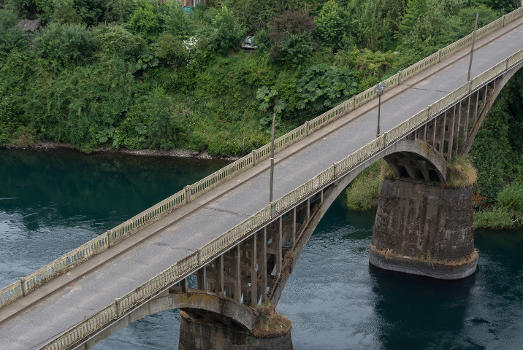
472	47
271	182
379	92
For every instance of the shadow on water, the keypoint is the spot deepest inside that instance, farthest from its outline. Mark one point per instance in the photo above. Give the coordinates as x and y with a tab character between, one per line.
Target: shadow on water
418	312
49	187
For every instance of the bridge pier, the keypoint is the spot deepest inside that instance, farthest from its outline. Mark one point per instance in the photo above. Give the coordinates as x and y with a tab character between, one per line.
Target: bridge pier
424	229
205	331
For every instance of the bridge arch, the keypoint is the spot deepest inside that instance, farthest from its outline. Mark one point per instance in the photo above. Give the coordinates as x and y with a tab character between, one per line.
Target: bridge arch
241	315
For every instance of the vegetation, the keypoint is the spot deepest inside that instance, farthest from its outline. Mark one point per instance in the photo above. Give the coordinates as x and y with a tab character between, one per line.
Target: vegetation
145	74
494	167
460	173
270	324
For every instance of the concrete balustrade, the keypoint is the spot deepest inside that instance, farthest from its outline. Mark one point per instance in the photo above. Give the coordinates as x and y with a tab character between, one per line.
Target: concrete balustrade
438	134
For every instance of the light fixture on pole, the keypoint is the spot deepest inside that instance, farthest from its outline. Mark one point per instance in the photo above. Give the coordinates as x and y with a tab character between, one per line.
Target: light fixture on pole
472	47
379	91
272	158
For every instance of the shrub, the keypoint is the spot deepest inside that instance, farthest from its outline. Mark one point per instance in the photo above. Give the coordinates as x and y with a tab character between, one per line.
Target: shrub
227	32
172	51
511	197
7	20
363	193
461	173
330	24
324	86
145	20
495	219
291	36
65	45
113	40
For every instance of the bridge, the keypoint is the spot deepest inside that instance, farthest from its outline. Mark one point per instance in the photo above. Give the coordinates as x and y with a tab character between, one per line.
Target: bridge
218	249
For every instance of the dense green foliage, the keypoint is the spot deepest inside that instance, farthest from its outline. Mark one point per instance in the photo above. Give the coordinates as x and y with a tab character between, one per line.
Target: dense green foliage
146	74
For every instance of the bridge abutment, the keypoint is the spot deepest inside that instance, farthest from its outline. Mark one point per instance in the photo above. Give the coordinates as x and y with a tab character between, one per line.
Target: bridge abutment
424	229
210	331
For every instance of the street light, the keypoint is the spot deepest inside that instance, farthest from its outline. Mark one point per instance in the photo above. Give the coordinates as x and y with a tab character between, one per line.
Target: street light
272	158
379	92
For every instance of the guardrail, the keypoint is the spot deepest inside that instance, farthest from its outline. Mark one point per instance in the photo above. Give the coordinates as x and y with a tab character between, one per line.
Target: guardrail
255	222
101	243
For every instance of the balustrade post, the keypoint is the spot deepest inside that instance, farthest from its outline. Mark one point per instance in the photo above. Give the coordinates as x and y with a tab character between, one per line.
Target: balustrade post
22	286
117	309
399	76
439	55
273	210
109	234
307	127
199	255
187	194
335	165
254	155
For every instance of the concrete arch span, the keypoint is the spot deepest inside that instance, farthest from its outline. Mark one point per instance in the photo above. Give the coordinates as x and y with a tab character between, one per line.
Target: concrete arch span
241	315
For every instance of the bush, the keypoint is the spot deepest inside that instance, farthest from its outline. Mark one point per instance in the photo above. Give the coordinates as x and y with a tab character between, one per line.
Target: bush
323	87
291	35
495	219
113	40
7	20
511	197
363	193
145	20
172	51
461	173
156	123
330	24
227	32
64	45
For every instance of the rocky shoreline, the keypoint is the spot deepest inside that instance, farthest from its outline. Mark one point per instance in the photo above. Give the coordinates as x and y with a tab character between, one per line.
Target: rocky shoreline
174	153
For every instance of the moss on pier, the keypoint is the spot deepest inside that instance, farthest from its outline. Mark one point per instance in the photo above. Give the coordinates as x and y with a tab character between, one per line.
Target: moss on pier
270	324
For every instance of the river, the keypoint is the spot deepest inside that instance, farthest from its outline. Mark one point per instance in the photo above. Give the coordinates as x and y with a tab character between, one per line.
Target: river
53	201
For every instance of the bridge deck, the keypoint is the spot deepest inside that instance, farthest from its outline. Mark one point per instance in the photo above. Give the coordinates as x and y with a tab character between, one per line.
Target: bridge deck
96	283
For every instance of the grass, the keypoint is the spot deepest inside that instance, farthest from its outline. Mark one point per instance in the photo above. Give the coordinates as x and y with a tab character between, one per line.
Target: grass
270	324
461	173
363	193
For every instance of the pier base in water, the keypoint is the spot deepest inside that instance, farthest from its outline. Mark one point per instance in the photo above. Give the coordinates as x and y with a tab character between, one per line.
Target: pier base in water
210	331
425	230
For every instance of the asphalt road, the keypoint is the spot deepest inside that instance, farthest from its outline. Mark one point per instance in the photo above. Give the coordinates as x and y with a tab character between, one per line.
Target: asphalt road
95	290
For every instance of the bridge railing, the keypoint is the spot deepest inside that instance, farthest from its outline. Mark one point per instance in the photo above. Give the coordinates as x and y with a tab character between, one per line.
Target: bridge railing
104	241
229	239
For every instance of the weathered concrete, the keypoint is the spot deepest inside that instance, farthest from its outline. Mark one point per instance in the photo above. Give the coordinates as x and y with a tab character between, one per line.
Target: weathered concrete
424	229
205	331
109	275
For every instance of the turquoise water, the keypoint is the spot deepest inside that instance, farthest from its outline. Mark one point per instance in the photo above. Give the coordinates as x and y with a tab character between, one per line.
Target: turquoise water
52	201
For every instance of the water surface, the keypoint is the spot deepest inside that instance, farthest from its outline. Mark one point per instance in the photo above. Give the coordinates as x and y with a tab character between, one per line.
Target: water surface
53	201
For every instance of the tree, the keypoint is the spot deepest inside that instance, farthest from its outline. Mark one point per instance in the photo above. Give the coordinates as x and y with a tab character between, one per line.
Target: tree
415	9
330	24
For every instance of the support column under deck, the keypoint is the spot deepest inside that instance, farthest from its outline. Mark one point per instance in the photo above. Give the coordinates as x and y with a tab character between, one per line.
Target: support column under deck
424	229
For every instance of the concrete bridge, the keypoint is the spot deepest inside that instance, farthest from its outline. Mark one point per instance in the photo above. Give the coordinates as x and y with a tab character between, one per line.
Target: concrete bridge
217	250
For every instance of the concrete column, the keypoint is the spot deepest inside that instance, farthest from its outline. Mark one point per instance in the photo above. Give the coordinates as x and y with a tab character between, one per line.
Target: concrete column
293	235
425	230
254	273
434	134
237	275
308	209
451	136
279	247
204	278
442	142
220	278
459	127
264	264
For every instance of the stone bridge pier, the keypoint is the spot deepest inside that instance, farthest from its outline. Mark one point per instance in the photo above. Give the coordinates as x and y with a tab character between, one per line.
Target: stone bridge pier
424	229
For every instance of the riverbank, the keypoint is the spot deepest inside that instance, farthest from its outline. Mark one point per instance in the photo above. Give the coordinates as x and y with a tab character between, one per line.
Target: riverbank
173	153
502	214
